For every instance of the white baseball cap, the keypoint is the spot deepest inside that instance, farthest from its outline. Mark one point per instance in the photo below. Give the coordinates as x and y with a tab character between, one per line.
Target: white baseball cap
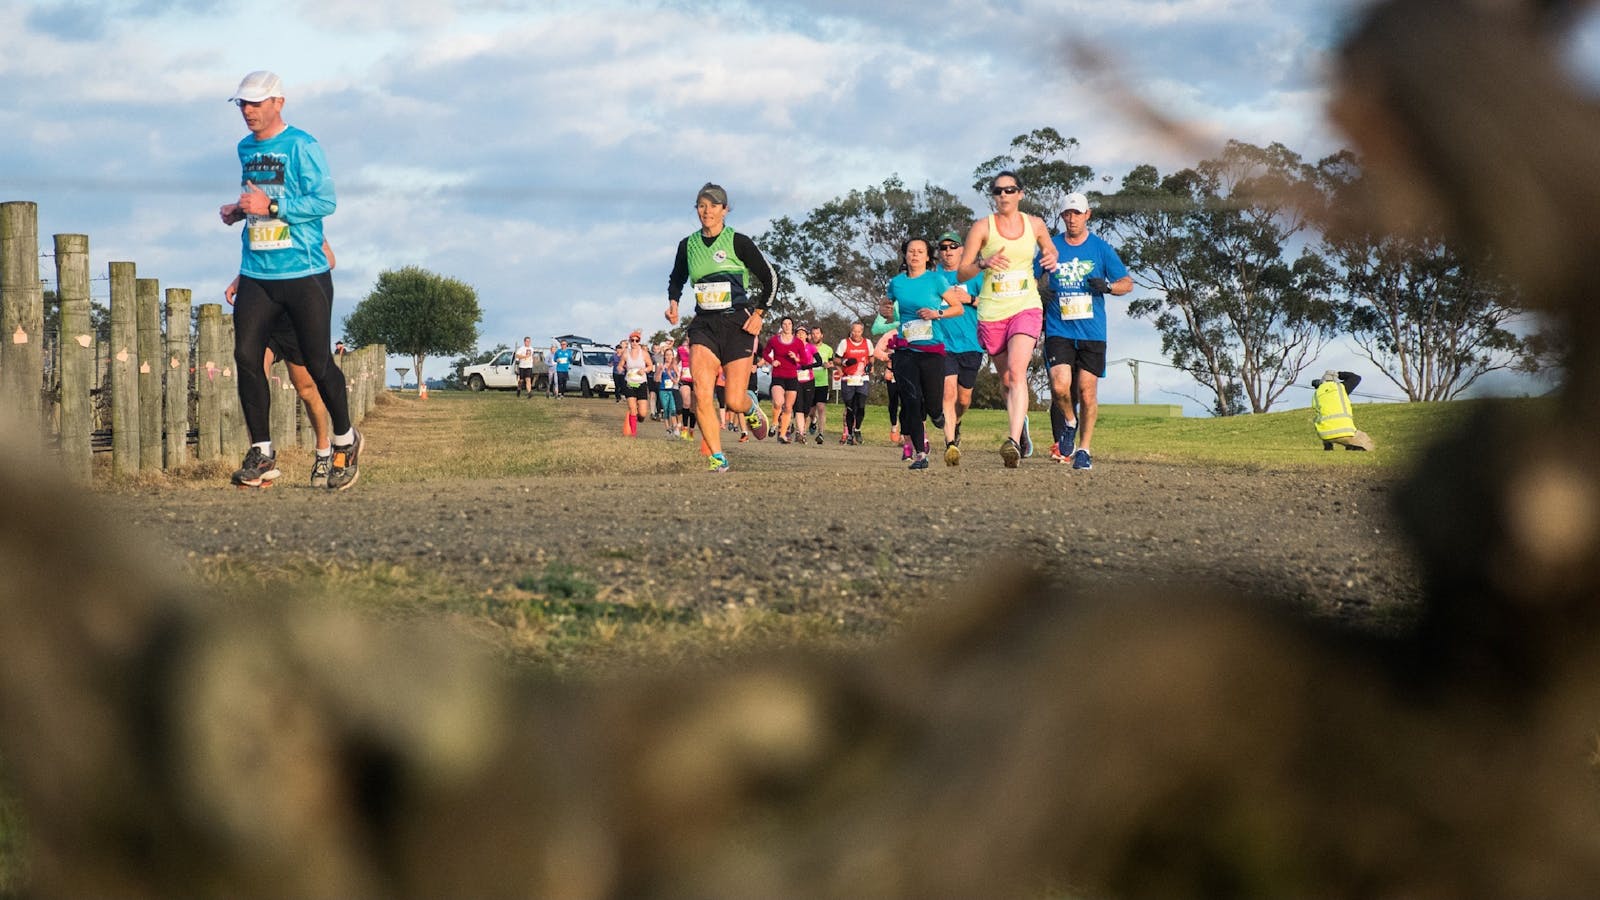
258	86
1076	203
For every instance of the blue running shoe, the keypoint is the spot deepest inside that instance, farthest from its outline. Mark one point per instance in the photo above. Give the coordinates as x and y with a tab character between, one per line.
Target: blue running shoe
1081	460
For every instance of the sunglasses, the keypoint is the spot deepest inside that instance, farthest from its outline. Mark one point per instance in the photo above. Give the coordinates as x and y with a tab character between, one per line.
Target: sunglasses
949	246
1008	189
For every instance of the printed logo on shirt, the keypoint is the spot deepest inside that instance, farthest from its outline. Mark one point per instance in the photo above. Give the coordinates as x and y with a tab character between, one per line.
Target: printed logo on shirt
1073	271
721	256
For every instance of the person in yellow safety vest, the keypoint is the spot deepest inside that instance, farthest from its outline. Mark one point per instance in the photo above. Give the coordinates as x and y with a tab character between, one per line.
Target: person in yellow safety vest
1335	422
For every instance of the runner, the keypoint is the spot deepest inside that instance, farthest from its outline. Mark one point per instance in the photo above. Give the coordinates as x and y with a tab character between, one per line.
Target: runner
667	387
1003	246
636	366
918	298
720	263
963	355
1075	329
885	329
283	270
685	392
784	352
618	373
803	376
822	374
855	368
563	359
524	364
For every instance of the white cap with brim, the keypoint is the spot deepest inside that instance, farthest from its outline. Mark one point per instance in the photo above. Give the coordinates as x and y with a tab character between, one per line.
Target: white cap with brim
258	86
1075	203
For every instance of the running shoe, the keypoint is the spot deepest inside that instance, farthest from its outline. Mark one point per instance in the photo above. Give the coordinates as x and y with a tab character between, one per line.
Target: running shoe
952	454
744	438
319	469
345	469
844	438
686	435
894	434
1026	445
1069	435
1057	456
921	462
905	451
1010	453
719	463
1081	460
819	437
782	439
756	421
257	468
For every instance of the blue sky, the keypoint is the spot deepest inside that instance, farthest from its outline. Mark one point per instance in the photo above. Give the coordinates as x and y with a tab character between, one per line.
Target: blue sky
548	153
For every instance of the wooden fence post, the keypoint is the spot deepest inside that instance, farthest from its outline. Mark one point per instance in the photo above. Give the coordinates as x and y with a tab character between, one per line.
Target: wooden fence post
75	358
235	437
208	378
176	392
21	314
147	313
124	364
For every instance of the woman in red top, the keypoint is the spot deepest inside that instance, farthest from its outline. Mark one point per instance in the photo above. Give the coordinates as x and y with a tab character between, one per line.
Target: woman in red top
785	352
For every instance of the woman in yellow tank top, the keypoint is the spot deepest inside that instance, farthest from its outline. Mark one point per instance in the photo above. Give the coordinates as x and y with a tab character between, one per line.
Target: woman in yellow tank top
1010	313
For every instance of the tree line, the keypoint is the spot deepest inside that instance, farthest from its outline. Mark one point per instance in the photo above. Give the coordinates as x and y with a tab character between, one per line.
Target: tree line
1250	263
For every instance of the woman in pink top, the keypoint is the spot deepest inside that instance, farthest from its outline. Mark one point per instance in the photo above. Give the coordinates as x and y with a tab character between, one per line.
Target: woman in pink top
785	352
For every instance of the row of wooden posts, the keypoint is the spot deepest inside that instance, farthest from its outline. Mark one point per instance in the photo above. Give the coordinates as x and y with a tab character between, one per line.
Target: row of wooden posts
163	381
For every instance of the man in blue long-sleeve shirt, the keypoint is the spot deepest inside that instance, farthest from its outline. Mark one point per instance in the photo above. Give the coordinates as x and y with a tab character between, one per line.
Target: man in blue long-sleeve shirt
286	192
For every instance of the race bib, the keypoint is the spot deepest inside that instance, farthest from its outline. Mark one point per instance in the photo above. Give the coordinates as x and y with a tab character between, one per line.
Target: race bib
634	378
267	233
1014	283
713	295
916	330
855	380
1077	306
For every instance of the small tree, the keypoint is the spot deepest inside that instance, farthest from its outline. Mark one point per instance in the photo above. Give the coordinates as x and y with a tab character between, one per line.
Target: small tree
418	314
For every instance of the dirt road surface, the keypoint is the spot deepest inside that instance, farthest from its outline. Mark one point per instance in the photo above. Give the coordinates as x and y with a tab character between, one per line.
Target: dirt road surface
828	526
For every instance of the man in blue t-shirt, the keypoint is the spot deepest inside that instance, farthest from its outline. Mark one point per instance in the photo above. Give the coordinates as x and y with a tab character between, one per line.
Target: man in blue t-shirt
284	271
1075	328
563	358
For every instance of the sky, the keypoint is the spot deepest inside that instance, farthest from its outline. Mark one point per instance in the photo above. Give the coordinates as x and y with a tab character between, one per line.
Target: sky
548	153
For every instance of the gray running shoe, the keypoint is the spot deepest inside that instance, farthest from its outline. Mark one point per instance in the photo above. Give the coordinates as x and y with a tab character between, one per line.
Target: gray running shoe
258	469
344	470
319	469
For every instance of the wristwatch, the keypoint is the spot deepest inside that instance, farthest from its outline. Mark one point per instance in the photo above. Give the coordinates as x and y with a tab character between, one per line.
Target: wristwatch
272	209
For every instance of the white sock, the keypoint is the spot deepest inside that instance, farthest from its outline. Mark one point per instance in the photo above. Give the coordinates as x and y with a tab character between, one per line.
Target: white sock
265	447
324	452
346	439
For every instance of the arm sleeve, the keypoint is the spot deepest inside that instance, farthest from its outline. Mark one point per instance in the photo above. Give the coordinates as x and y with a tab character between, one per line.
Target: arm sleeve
757	263
680	272
313	197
